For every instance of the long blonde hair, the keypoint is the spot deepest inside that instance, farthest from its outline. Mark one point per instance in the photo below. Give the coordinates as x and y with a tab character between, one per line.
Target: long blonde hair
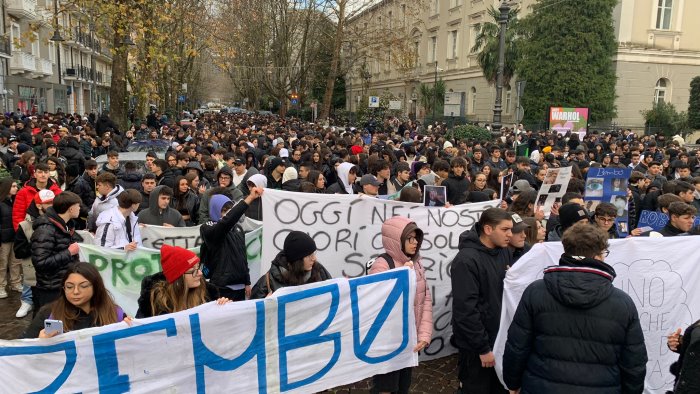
175	297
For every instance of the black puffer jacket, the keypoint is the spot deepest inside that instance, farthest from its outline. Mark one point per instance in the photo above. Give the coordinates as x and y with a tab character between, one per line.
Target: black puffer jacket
277	277
477	290
84	187
147	284
574	332
7	232
457	187
70	149
50	255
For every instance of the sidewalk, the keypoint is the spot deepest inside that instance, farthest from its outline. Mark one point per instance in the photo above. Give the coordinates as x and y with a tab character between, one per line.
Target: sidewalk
431	377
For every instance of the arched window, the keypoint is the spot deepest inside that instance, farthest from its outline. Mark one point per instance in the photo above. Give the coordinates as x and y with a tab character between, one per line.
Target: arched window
472	101
661	92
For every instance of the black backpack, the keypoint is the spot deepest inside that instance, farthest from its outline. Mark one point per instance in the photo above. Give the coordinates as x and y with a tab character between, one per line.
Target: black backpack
385	256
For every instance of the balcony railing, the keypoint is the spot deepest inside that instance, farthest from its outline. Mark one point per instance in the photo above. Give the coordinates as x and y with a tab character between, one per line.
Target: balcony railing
22	62
22	9
44	67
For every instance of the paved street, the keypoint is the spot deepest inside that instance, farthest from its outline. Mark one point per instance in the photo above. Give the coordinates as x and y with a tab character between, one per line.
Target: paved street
432	377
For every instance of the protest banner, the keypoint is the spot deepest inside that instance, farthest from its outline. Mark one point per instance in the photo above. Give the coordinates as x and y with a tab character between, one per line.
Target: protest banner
659	283
554	186
657	220
347	232
563	120
123	271
609	185
303	339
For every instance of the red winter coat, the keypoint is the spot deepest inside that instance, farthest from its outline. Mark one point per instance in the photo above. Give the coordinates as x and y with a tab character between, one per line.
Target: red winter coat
24	198
423	302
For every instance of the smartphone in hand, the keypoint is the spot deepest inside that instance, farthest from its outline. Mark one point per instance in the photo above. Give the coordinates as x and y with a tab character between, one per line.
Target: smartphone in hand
51	326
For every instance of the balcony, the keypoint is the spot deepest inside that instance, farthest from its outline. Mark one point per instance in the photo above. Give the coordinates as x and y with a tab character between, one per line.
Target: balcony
44	67
22	9
22	62
70	73
5	48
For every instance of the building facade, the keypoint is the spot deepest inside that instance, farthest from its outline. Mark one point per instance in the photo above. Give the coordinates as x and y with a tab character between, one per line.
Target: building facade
44	75
657	56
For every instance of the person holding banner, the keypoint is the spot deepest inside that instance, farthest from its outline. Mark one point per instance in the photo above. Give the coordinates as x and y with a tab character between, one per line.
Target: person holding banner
83	303
402	239
178	287
224	250
575	320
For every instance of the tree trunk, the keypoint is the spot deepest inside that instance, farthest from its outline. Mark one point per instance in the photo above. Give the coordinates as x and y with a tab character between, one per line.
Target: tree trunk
332	73
119	97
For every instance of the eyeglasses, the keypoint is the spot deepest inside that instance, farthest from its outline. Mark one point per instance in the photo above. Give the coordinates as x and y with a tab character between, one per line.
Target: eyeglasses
196	271
412	240
605	253
604	219
81	287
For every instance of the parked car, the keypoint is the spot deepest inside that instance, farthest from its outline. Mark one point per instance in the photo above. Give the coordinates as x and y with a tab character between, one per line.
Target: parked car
145	146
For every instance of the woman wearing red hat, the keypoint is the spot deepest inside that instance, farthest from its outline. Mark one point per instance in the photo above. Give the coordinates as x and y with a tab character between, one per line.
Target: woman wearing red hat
180	286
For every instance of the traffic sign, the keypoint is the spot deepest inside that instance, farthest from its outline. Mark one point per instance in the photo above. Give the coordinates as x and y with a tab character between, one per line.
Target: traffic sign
374	101
295	101
181	99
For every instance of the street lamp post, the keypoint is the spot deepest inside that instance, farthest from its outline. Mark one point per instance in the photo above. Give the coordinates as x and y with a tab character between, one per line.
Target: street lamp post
498	106
57	39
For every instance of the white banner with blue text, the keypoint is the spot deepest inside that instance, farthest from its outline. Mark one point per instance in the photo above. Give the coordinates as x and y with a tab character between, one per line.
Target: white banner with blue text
347	230
659	274
301	340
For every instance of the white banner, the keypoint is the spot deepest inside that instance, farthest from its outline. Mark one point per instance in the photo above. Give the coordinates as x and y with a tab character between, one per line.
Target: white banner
347	232
301	340
660	284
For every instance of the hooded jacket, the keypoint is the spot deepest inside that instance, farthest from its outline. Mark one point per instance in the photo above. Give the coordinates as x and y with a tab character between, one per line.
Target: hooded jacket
278	273
255	209
112	231
574	332
477	289
223	251
102	204
393	231
50	256
70	149
24	198
154	216
84	187
343	186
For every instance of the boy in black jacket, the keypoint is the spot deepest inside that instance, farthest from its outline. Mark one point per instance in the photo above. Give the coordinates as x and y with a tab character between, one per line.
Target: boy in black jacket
223	252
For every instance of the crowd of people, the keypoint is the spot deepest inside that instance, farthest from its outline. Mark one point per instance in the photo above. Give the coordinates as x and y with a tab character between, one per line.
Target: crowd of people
216	168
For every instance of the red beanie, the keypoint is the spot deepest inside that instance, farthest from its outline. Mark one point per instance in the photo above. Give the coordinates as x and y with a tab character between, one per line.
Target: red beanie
176	261
356	150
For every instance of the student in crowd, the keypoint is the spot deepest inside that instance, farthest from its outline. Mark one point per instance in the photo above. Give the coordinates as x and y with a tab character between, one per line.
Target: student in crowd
347	174
8	190
535	232
456	183
294	265
224	249
575	320
159	212
402	239
84	302
54	245
477	274
108	191
518	241
604	217
686	368
179	286
26	194
118	227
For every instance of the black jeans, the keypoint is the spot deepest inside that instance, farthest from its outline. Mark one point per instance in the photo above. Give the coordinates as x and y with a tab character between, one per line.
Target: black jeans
476	379
393	382
41	297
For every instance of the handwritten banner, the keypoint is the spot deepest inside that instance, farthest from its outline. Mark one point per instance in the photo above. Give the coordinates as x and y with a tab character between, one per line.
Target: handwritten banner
347	232
657	220
659	283
609	185
301	340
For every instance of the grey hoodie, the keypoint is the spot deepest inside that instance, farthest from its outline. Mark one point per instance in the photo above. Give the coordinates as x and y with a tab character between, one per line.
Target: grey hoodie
155	216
